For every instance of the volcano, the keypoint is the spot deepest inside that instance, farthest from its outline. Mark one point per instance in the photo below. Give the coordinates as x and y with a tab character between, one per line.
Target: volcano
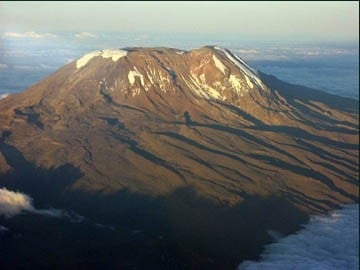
196	148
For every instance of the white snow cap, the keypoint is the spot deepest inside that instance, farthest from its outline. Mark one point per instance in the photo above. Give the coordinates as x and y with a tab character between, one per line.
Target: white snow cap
114	54
250	72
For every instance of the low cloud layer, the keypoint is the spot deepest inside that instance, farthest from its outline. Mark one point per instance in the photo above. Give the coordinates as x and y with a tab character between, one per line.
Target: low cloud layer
327	242
85	35
30	34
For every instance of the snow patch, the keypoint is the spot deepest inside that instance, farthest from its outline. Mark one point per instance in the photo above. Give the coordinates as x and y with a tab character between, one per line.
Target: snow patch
135	92
197	89
236	83
163	81
213	93
249	83
169	70
133	74
4	95
159	78
242	65
150	78
86	58
113	54
201	88
219	64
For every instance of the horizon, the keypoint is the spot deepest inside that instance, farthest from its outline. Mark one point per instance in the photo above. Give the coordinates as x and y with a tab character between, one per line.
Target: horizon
284	21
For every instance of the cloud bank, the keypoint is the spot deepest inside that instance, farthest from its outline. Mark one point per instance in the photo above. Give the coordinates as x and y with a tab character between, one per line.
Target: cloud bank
30	34
327	242
85	35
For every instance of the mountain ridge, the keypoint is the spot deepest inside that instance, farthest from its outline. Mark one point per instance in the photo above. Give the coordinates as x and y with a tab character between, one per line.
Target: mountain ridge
192	156
115	93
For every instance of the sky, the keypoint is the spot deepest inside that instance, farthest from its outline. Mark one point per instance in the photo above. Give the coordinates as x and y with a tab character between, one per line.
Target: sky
320	21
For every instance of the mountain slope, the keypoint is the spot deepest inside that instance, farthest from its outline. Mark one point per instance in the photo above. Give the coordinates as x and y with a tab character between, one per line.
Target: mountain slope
119	127
164	118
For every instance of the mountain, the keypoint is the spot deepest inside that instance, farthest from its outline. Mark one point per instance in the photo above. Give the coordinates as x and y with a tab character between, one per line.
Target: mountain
195	146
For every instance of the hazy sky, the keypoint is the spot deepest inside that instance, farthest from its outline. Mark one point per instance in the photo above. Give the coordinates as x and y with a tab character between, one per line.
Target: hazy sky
283	20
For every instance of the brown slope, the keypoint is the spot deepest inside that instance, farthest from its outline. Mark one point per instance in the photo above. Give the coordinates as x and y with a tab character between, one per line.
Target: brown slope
160	119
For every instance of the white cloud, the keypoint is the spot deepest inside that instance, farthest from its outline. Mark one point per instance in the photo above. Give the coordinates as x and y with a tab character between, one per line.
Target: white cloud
85	35
251	51
312	52
30	34
24	67
13	203
44	66
68	60
327	242
3	66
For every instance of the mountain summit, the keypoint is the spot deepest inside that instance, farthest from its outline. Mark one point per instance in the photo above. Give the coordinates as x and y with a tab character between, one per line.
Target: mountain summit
167	126
150	79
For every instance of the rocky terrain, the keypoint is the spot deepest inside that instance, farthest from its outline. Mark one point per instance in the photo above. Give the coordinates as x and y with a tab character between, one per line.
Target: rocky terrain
194	148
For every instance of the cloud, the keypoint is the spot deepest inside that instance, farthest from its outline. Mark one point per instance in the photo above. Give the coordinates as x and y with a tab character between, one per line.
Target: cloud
44	66
29	35
327	242
85	35
312	52
68	60
24	67
250	51
3	66
13	203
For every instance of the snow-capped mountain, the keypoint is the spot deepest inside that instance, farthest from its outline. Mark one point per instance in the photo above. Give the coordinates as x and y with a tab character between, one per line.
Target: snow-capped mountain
134	123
